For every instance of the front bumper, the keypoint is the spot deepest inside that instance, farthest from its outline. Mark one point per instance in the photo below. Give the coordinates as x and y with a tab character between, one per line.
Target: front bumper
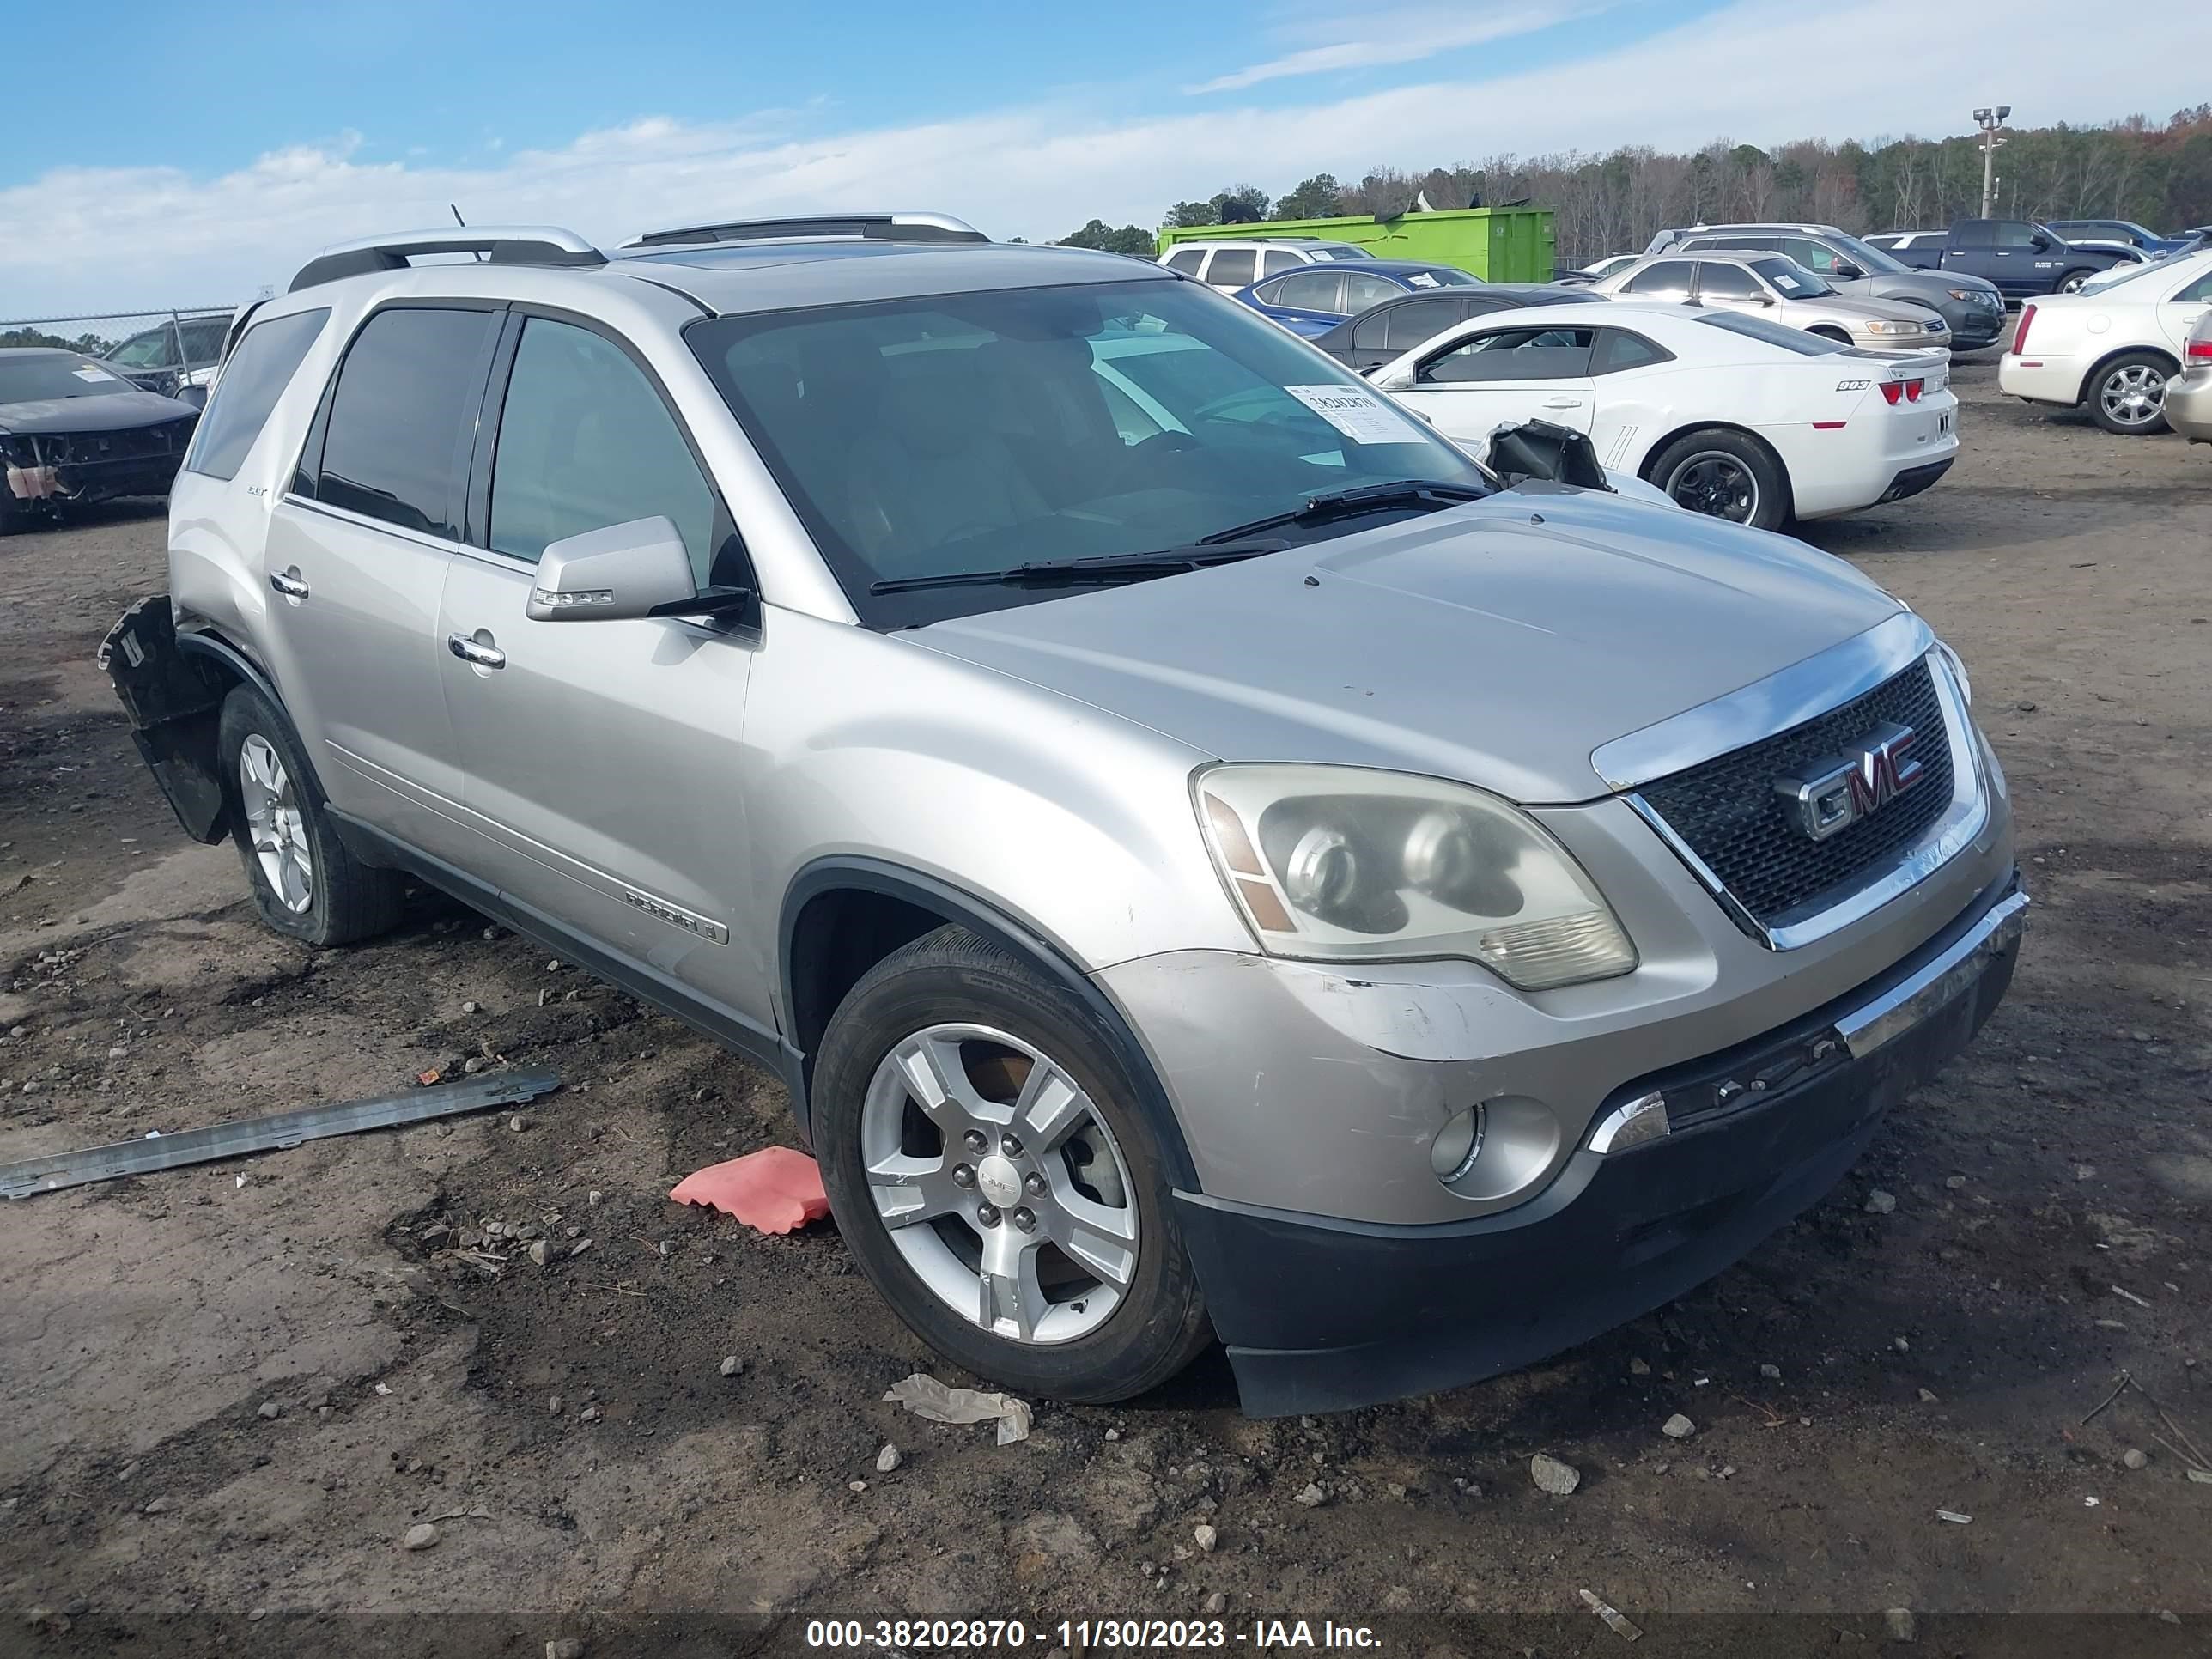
1759	1131
2189	404
1973	327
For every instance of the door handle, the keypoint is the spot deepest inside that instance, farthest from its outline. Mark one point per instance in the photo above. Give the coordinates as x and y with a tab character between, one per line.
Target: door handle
288	583
478	652
1562	402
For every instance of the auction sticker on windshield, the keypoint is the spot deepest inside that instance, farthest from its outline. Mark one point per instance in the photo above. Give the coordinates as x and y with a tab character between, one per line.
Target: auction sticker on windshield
1358	414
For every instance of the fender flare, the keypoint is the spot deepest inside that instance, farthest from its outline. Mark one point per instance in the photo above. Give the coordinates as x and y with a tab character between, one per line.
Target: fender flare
963	908
218	649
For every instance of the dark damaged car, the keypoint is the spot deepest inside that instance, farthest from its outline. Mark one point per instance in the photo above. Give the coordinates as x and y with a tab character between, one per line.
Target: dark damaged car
73	430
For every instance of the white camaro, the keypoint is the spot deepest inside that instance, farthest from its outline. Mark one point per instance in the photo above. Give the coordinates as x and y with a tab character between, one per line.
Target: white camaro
1729	414
2113	347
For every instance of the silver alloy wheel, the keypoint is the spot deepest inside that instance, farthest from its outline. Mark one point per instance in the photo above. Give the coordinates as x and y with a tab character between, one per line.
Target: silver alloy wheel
275	823
1715	482
2073	284
2134	396
1018	1213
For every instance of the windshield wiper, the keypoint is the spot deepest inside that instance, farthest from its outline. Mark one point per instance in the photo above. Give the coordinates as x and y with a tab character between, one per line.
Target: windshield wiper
1349	503
1101	568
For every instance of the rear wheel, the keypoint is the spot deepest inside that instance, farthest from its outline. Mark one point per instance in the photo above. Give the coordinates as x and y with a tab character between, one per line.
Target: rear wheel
2072	282
306	884
1725	475
2128	395
994	1179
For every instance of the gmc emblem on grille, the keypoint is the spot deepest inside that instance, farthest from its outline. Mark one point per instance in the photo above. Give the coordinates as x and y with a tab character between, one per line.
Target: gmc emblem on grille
1836	793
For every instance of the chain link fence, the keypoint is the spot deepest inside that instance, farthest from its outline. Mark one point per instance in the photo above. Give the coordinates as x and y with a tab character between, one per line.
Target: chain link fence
163	350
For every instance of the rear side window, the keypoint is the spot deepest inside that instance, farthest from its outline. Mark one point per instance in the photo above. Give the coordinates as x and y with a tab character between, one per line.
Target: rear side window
1187	260
1274	260
1408	324
402	414
1232	267
586	441
1668	277
256	376
1311	290
1617	349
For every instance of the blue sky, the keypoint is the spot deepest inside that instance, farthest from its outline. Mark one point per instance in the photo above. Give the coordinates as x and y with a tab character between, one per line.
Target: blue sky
219	145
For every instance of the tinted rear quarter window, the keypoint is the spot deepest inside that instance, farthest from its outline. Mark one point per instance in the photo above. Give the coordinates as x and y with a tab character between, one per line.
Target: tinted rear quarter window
256	376
1274	260
1187	259
1617	349
403	407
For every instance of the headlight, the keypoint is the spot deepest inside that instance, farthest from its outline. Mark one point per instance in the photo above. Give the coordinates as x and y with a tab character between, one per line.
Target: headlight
1970	296
1340	862
1882	326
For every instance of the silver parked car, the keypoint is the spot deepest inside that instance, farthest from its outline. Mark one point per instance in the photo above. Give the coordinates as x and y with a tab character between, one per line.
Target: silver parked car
1778	287
2189	394
1203	857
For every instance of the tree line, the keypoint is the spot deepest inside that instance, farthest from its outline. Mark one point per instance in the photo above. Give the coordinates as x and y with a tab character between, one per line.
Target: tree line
2157	174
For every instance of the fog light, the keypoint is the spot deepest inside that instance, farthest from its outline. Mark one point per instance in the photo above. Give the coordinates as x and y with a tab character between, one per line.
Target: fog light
1458	1145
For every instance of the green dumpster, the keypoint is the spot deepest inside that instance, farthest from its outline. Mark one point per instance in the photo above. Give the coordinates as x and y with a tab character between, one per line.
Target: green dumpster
1499	244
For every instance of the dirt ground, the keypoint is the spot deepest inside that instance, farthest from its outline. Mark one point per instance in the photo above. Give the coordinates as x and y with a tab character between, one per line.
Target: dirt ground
595	1476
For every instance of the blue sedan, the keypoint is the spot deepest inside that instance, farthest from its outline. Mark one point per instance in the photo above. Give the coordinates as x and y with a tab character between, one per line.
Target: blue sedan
1314	299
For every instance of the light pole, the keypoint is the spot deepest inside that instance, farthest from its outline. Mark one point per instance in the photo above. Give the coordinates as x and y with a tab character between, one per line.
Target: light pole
1989	120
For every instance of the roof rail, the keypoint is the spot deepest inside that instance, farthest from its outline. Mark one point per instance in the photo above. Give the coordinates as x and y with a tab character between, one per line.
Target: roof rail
508	244
867	226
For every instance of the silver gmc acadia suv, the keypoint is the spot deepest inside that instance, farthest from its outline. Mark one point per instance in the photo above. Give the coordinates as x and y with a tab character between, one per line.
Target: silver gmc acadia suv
1206	859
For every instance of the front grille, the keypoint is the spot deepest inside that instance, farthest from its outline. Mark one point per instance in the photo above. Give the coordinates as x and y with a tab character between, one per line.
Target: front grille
1728	812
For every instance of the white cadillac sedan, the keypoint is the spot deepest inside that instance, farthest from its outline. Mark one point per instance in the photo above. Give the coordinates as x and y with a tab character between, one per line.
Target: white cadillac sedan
2111	347
1728	415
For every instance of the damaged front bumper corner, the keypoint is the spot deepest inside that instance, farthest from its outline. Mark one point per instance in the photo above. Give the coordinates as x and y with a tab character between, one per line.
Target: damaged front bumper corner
173	700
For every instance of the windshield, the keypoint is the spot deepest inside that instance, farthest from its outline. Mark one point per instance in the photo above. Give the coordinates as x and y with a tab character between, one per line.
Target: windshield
1791	280
1866	256
976	432
155	349
40	377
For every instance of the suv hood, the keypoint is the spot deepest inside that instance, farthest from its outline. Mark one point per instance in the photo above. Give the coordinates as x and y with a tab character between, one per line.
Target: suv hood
1500	642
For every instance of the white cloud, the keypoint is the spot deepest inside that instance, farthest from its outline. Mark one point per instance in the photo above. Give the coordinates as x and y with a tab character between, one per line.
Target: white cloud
78	240
1392	37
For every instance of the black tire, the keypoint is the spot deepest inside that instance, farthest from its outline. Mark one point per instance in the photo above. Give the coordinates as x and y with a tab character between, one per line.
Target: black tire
2107	394
2072	281
346	900
951	976
1703	471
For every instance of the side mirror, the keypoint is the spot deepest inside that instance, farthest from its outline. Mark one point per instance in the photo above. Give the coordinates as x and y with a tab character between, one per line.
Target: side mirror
1389	380
620	574
1847	270
2041	244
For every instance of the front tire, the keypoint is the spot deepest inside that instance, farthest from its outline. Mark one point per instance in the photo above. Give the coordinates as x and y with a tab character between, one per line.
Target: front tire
989	1167
1725	475
306	884
2128	395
